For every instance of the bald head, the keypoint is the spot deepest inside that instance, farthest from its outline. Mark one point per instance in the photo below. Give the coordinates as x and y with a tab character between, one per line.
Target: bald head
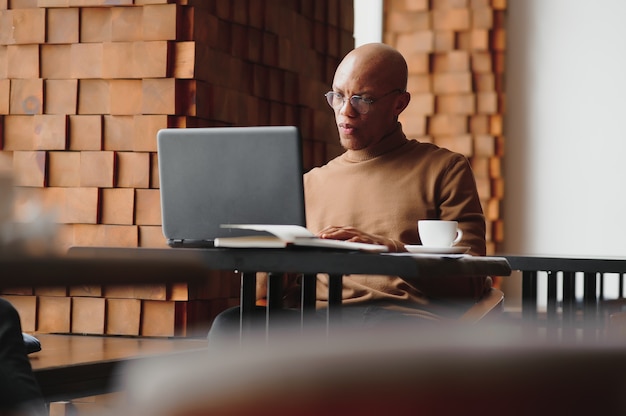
376	74
375	64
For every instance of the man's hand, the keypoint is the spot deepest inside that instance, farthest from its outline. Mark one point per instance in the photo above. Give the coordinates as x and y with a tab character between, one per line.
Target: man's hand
352	234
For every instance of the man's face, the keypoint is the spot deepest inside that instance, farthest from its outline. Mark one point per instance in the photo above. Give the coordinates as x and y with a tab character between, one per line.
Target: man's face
358	131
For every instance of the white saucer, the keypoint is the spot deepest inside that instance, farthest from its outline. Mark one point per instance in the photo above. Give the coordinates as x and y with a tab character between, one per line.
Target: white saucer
436	250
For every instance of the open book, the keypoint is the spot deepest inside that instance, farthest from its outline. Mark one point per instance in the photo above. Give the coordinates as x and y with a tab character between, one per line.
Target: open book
286	235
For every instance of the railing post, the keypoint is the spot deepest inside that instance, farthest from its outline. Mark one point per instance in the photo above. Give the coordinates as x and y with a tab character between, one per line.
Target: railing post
529	295
551	303
569	304
308	294
248	297
335	287
590	306
274	300
552	316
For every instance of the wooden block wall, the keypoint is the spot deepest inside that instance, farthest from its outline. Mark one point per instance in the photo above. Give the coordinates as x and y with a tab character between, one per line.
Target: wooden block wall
455	52
84	87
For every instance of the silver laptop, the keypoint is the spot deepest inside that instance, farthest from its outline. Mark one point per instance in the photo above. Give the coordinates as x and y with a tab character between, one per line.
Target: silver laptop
231	175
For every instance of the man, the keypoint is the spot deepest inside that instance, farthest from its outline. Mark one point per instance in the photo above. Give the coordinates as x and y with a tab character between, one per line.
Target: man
378	189
19	391
383	184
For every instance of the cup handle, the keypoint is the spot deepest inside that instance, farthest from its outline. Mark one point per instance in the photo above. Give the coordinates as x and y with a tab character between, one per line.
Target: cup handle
459	236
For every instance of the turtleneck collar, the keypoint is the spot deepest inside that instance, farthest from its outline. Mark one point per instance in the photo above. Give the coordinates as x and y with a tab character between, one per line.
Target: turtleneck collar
388	143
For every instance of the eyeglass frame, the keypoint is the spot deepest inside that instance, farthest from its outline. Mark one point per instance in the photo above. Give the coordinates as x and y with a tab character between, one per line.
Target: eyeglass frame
368	101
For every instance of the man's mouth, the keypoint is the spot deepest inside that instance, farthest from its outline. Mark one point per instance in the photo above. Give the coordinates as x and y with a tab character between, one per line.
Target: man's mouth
346	128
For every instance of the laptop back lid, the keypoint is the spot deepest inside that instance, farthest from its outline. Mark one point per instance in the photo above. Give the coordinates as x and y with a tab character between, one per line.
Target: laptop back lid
231	175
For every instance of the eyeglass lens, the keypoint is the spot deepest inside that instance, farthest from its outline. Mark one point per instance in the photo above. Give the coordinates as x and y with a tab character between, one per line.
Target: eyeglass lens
336	100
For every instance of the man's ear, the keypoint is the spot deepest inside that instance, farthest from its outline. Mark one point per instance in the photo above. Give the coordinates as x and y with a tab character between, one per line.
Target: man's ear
402	102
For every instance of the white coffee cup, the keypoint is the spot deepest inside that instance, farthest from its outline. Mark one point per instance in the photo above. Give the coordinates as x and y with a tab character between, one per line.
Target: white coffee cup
439	233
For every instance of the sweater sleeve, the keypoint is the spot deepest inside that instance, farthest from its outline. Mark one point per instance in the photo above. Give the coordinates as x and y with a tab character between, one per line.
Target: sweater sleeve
458	201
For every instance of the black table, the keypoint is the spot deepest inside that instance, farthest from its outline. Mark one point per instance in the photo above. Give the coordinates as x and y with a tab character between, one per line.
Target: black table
105	268
308	262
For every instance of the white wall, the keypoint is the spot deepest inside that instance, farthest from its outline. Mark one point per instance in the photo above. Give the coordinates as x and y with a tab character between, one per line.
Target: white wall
565	128
368	21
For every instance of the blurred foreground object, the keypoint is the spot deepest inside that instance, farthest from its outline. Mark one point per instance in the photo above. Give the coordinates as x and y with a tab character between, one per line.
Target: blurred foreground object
491	370
25	228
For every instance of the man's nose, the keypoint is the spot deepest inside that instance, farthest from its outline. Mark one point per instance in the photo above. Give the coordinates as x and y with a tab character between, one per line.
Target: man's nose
347	108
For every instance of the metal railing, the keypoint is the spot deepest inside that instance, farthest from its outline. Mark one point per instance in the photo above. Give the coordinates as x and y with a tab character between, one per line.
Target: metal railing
563	308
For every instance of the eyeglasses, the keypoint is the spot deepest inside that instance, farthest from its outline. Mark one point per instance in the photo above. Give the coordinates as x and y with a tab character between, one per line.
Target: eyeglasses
360	104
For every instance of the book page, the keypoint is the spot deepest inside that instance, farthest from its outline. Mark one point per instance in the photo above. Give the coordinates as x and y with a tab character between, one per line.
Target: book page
287	233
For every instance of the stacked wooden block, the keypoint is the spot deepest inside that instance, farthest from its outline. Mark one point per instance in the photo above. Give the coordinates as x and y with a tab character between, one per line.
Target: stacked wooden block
84	87
455	52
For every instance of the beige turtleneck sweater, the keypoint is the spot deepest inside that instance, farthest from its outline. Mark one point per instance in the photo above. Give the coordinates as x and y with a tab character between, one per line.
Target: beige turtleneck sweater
385	189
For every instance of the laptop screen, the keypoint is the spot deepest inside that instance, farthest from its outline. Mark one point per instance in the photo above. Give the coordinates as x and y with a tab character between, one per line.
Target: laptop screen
230	175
